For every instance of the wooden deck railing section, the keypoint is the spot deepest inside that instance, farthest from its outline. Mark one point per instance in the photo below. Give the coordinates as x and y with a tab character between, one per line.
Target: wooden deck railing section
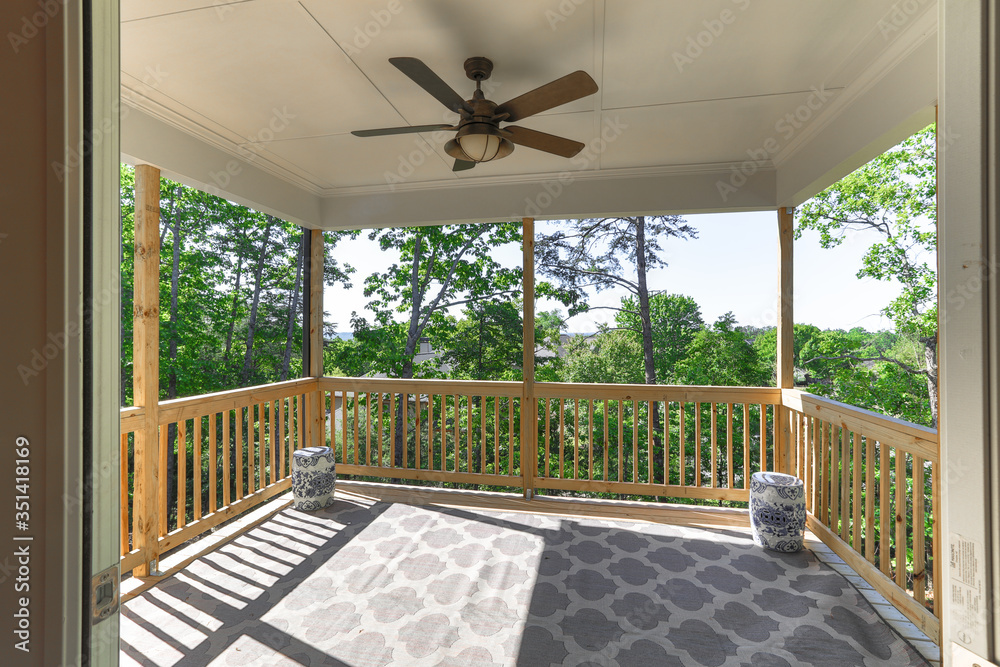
872	491
463	432
867	476
230	451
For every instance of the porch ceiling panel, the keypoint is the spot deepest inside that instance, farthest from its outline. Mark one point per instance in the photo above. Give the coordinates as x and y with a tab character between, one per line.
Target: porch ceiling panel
269	90
679	131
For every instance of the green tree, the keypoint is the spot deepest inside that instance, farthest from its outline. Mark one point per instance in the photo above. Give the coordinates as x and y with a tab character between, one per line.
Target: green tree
675	321
894	197
439	267
721	356
595	252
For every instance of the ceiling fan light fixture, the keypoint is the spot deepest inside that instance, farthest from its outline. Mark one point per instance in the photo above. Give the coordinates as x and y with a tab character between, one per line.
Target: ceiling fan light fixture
478	142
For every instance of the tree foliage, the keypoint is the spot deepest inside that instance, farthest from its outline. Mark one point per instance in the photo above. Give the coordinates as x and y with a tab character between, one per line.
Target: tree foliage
893	196
438	268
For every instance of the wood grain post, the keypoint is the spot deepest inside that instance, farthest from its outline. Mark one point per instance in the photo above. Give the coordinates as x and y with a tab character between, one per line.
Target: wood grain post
315	423
786	339
146	364
529	431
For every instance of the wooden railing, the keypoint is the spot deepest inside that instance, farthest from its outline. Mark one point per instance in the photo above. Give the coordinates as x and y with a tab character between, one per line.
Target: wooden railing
868	477
872	492
227	452
667	441
433	430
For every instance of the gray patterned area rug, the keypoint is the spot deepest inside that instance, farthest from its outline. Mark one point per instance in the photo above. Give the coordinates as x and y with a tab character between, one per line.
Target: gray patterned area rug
389	585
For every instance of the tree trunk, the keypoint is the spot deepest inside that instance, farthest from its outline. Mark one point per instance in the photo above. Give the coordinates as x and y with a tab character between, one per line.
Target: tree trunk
252	324
292	310
930	363
412	339
647	336
236	294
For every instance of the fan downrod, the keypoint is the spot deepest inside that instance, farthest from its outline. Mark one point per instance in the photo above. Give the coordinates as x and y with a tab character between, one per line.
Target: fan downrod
478	68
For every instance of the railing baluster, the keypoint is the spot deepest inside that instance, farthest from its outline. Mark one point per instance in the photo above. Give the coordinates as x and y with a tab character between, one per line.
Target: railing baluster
164	428
482	434
919	556
227	457
576	438
468	434
621	438
635	441
181	473
845	483
746	445
590	439
123	494
282	446
605	447
870	499
390	458
496	435
763	437
899	493
405	400
682	446
856	499
729	446
357	428
379	430
510	437
239	447
649	442
198	487
824	493
884	472
213	462
697	443
937	585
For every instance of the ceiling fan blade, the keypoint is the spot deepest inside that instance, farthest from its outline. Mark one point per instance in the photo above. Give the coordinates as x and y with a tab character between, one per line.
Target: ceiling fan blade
401	130
425	77
541	141
555	93
462	165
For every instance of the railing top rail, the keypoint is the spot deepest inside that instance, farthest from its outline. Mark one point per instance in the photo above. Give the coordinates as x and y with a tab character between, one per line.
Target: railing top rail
195	406
916	439
658	392
423	386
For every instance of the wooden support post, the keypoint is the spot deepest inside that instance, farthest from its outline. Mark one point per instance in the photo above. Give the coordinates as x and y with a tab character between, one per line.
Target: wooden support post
146	364
529	430
316	423
786	339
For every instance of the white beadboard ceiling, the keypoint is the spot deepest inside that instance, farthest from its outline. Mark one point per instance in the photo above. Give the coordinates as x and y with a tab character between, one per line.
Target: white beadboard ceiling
255	100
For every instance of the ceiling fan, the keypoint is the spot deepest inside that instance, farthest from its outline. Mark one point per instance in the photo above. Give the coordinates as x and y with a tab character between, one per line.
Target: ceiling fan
479	137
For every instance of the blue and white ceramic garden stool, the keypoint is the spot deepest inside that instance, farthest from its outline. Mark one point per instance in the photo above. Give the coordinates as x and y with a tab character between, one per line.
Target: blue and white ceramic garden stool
777	511
314	474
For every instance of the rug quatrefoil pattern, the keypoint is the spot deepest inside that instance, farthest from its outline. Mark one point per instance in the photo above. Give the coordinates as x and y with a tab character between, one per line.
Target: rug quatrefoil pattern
389	585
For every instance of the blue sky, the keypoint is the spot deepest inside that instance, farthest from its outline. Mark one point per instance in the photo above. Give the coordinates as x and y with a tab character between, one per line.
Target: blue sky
732	266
